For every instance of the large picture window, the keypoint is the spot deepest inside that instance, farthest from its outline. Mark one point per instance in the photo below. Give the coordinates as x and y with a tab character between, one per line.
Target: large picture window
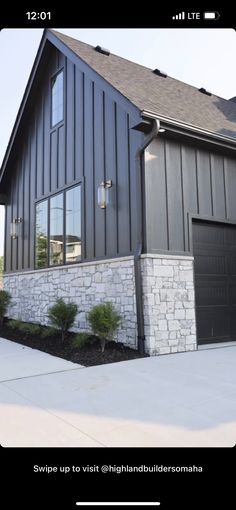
58	229
57	98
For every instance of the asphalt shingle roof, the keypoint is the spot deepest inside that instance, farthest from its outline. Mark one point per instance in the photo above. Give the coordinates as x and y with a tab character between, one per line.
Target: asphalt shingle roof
164	96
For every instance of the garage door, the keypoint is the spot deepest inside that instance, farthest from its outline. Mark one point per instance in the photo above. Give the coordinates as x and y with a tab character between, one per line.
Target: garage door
214	248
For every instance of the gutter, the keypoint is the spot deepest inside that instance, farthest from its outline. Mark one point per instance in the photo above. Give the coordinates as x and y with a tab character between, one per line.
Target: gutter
155	126
171	123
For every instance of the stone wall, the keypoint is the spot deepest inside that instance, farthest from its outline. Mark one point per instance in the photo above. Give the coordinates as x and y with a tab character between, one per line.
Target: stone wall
168	297
169	303
85	284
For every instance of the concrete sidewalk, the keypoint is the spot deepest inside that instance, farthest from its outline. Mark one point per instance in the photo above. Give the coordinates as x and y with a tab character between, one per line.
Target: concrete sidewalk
186	399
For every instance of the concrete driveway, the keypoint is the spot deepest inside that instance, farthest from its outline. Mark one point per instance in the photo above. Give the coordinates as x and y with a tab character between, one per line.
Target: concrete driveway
186	399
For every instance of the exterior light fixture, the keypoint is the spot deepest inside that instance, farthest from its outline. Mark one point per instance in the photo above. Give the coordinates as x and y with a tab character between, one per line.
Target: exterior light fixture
14	232
161	130
103	193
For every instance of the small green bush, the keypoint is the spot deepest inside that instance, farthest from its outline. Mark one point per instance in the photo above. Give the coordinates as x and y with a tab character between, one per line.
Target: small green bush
14	324
82	339
62	316
48	332
26	327
104	321
30	329
5	299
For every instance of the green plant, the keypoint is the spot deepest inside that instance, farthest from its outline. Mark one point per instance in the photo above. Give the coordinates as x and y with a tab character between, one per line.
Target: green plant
41	250
62	316
48	332
1	265
30	329
82	339
5	299
104	321
26	327
14	324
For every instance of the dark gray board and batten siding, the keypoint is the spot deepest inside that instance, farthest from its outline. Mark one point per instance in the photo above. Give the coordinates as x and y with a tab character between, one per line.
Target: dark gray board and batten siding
181	181
93	142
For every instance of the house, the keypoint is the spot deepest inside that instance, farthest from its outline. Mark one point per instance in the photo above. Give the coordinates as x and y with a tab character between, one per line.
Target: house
119	184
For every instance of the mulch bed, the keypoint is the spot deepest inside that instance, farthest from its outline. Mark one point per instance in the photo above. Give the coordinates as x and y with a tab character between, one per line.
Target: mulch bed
88	355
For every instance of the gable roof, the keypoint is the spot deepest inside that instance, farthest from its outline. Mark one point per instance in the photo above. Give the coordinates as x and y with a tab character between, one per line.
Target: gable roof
166	97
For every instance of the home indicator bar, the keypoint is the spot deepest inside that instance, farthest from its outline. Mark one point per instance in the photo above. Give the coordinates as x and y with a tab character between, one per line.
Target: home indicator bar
117	503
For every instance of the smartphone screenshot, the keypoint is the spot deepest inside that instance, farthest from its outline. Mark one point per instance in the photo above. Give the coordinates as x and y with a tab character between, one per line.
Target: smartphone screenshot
118	260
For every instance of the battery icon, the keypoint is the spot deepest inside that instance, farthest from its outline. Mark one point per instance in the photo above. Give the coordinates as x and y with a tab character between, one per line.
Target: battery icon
211	15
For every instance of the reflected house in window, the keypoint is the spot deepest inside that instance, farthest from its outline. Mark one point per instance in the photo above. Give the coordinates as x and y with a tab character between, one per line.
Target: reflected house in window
119	184
56	207
56	250
58	218
73	249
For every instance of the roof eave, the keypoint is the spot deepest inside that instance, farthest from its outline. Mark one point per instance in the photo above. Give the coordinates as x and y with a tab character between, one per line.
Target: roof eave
192	131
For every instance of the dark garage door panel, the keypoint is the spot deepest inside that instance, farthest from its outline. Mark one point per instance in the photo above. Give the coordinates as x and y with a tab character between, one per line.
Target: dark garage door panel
214	248
213	326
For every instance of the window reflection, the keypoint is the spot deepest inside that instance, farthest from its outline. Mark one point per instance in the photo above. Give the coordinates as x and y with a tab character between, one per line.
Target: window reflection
57	98
73	225
56	230
60	237
41	248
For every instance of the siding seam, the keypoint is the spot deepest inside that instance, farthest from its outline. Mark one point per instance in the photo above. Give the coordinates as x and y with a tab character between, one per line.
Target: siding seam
166	191
116	171
211	184
225	192
182	196
129	187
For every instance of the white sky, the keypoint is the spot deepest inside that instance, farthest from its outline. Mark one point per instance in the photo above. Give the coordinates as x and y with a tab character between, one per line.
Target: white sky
200	57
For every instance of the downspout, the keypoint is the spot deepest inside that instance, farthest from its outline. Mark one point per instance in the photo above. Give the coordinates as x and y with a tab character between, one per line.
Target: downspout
155	126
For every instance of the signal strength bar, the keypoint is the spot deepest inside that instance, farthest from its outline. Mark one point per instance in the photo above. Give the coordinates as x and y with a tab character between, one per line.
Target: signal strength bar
181	16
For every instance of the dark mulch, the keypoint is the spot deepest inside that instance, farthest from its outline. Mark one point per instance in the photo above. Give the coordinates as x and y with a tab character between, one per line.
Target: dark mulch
88	355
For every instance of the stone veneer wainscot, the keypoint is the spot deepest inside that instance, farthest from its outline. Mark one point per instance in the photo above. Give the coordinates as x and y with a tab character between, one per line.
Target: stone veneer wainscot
85	284
168	297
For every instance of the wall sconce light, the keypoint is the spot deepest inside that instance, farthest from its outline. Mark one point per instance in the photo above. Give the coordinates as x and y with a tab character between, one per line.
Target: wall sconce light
14	229
103	193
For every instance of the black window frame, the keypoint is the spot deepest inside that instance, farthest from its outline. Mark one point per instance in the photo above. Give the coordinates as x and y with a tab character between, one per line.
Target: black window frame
47	199
53	77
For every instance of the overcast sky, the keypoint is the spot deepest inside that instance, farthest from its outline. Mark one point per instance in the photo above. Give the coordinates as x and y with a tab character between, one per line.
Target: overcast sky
200	57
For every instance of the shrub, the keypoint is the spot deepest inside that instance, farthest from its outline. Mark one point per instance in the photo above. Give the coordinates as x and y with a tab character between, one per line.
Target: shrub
26	327
30	329
104	321
82	339
48	332
13	324
5	299
62	316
